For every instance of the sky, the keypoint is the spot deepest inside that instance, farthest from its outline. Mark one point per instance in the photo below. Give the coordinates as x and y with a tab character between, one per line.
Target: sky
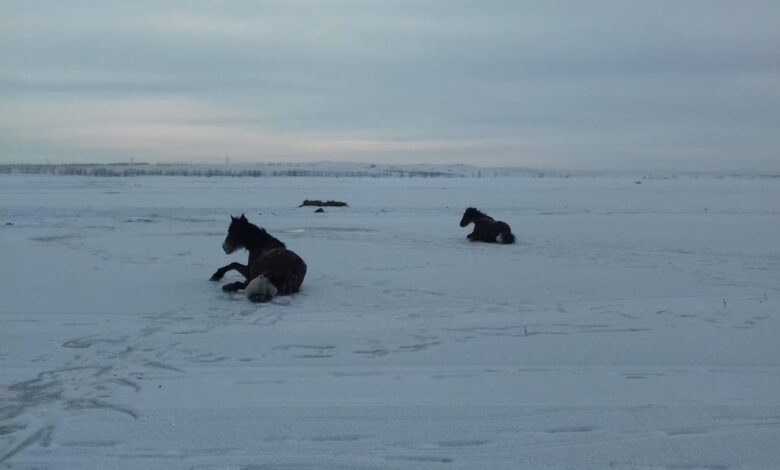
690	85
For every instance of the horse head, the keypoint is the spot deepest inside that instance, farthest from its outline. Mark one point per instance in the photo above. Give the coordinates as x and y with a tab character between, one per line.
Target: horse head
468	216
240	233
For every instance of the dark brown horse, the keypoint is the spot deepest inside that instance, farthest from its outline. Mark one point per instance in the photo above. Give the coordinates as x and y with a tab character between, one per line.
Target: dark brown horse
272	269
486	228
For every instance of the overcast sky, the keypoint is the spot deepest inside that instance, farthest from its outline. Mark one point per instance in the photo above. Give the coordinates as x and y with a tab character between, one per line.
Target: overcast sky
578	84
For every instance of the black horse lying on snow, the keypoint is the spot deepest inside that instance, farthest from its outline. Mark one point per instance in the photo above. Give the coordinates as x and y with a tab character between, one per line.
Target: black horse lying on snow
486	228
272	268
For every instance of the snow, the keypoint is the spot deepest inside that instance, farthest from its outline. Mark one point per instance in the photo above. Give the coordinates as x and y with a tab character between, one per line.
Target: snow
631	326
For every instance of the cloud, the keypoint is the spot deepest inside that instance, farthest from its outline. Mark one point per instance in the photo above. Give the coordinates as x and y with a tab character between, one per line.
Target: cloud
553	84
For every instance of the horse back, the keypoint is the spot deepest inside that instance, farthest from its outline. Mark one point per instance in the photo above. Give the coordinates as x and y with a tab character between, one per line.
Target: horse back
502	227
488	229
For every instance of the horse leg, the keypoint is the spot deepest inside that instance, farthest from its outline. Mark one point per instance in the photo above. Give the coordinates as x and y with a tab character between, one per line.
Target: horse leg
234	286
472	237
241	268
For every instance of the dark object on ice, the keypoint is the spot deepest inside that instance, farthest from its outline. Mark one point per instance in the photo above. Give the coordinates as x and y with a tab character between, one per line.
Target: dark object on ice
319	211
272	268
318	203
9	223
486	228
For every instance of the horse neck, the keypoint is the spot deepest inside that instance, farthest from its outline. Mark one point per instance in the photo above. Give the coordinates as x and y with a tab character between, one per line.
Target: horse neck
261	242
481	216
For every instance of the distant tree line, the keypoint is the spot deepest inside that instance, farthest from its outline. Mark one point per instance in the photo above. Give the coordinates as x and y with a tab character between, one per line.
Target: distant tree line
143	169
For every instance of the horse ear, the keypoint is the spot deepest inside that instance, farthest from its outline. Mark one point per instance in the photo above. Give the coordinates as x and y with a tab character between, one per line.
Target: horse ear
243	217
232	218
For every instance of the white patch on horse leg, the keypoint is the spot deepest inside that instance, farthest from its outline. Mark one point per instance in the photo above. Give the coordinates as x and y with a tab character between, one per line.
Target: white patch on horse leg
260	289
500	238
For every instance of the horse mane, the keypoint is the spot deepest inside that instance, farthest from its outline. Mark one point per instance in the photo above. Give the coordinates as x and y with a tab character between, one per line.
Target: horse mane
264	237
477	214
257	237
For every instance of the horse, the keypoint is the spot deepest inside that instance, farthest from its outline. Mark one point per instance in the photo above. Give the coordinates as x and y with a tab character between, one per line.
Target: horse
271	269
486	228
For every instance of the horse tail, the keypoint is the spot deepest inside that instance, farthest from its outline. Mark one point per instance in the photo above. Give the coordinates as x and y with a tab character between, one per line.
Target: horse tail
505	238
505	235
260	289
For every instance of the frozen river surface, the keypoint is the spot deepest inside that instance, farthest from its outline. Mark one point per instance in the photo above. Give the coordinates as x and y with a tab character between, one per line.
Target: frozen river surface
633	326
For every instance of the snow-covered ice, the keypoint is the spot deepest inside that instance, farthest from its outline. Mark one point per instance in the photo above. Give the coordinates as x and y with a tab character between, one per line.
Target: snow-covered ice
633	326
